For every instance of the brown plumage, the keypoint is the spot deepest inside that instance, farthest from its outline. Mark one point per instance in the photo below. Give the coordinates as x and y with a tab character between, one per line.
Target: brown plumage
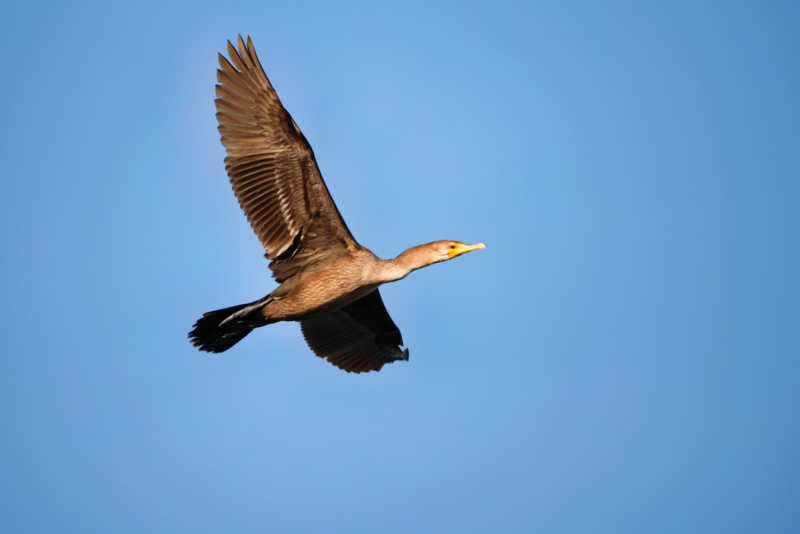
328	282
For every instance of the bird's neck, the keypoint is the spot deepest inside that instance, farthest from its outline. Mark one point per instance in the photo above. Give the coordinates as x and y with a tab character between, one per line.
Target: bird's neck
410	260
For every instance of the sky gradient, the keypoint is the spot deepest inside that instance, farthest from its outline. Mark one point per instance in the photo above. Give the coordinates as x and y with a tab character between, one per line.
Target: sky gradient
623	358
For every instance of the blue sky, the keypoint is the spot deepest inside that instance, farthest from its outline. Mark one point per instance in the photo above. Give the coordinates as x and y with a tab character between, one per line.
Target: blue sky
624	356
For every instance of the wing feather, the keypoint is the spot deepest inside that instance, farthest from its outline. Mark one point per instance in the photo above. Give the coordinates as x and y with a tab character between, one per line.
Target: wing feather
358	338
273	170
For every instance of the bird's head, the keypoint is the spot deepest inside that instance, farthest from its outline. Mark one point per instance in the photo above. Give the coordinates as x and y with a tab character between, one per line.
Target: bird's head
428	254
447	250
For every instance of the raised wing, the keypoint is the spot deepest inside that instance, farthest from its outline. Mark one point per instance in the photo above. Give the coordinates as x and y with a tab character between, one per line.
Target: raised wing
273	170
360	337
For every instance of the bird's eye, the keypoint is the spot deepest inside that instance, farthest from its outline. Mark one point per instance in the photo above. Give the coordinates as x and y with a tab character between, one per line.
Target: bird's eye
452	246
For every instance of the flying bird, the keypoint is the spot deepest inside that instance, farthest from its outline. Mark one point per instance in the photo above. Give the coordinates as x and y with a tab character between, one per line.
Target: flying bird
328	282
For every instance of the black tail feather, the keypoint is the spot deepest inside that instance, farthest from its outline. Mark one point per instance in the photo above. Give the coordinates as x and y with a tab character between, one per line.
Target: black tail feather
217	331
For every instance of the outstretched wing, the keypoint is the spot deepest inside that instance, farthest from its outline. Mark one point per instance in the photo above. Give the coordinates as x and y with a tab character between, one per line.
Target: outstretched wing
360	337
273	170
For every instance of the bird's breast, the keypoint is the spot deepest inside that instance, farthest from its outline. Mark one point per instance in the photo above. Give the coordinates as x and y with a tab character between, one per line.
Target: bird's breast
324	291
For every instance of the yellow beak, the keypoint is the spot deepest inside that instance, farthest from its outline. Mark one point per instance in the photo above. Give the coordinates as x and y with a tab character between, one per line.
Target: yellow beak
463	249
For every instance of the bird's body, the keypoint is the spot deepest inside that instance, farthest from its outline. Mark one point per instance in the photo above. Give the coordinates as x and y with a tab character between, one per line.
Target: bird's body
327	288
328	282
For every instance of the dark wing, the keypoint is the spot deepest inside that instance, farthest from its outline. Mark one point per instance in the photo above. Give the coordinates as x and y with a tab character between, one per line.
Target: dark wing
358	338
273	171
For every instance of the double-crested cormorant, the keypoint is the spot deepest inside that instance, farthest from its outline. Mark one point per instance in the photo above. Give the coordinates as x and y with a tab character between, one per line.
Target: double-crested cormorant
328	282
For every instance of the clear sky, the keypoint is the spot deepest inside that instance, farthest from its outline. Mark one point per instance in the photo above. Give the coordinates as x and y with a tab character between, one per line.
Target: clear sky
623	358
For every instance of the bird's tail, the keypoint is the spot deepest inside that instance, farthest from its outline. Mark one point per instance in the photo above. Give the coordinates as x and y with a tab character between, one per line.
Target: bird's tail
217	331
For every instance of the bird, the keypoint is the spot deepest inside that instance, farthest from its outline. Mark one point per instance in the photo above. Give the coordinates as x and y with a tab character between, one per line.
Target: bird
328	282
